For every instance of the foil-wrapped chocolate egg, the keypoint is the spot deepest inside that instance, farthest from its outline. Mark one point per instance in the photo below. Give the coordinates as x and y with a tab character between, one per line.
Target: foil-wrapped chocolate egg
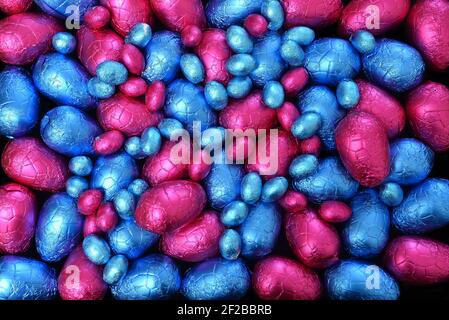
30	162
10	7
312	13
279	278
17	218
224	13
64	8
178	14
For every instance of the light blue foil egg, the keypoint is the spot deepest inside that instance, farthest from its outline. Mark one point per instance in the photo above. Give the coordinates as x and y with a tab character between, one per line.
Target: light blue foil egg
348	94
411	161
216	95
115	269
69	131
366	232
239	87
322	100
138	186
274	189
273	94
251	188
168	127
234	213
64	42
155	277
301	35
241	64
306	125
223	13
230	244
151	139
112	173
163	55
357	280
100	89
140	35
303	166
331	181
96	249
63	80
424	209
26	279
124	204
192	68
186	103
363	41
129	239
76	185
112	72
80	166
217	279
292	53
394	65
65	8
59	228
273	11
239	40
133	147
260	230
270	64
330	60
391	194
19	102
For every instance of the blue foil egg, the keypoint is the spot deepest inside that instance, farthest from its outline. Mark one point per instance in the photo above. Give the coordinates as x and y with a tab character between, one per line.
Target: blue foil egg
64	42
69	131
129	239
217	279
26	279
302	35
330	60
274	189
239	87
59	228
115	269
331	181
363	41
133	146
251	188
260	230
212	137
425	208
154	277
234	214
63	80
80	166
273	94
223	13
357	280
138	186
239	40
66	8
112	173
322	100
303	166
100	89
230	244
96	249
151	139
124	204
366	232
112	72
216	95
241	64
391	194
348	94
223	184
306	125
186	103
163	55
19	102
140	35
76	185
411	161
192	68
394	65
270	64
273	11
292	53
168	127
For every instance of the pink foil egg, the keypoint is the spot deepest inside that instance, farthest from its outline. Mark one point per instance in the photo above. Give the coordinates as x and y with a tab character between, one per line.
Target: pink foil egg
90	226
191	36
155	96
81	279
428	113
248	113
314	242
15	6
170	205
97	17
376	16
17	218
26	36
128	115
293	201
31	163
97	46
89	201
109	142
334	211
383	106
198	170
278	278
362	143
287	114
294	80
106	217
418	261
214	52
256	25
125	14
311	13
161	167
178	14
195	241
311	145
428	25
133	59
134	87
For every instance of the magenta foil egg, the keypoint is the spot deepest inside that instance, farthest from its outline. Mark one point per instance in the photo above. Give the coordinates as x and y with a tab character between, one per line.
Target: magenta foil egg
170	205
279	278
29	162
126	114
428	113
383	106
214	52
362	143
125	14
287	114
97	46
178	14
418	261
161	167
26	36
109	142
81	279
313	241
15	6
376	16
311	13
428	25
195	241
17	218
